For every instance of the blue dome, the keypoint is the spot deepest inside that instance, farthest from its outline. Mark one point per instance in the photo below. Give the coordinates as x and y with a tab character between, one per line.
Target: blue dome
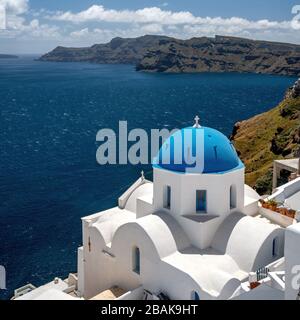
204	150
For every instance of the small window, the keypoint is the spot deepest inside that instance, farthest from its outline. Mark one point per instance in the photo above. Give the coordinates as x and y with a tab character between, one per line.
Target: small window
136	265
232	197
201	201
216	152
167	198
275	248
195	296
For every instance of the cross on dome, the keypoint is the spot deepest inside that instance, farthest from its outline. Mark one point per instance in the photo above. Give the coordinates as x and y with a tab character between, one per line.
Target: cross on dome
197	124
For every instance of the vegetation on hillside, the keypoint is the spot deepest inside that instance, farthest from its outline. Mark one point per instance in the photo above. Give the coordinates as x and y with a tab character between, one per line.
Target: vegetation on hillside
267	137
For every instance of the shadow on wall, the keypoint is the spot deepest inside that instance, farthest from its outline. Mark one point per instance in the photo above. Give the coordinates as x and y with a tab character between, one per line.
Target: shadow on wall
223	234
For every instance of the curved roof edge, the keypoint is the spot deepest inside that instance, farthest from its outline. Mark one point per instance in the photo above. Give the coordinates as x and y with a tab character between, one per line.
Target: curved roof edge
238	167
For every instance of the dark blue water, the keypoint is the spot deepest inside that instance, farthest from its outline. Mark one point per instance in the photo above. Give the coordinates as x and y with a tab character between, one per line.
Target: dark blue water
50	114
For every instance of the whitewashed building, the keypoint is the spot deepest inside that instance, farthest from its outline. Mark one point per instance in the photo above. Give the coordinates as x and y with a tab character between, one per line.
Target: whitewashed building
190	234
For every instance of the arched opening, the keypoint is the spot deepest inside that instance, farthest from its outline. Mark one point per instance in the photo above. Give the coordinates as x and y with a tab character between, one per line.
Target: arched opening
232	197
136	260
195	296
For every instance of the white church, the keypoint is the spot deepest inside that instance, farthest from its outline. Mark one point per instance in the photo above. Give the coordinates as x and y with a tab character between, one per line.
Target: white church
188	235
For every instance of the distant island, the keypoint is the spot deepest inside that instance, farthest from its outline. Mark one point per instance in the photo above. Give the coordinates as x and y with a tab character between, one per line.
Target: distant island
164	54
8	56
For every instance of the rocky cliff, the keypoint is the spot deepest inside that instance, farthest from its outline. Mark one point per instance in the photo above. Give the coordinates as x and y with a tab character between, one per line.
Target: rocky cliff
164	54
118	50
269	136
222	54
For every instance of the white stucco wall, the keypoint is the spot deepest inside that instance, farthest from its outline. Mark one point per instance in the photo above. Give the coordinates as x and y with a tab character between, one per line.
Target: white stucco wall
183	199
143	190
176	247
103	271
80	271
292	262
249	241
167	264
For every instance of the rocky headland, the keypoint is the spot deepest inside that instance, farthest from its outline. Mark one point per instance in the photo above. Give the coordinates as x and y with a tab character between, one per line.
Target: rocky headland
165	54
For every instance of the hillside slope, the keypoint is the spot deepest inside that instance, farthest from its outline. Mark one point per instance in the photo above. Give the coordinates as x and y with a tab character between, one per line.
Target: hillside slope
269	136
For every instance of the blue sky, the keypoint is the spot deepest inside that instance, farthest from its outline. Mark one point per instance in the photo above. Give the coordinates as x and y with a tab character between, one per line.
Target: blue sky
253	9
37	26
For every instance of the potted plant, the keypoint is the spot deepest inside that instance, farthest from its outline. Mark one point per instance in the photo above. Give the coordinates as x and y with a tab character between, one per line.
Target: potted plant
291	213
281	210
284	211
263	203
272	204
254	285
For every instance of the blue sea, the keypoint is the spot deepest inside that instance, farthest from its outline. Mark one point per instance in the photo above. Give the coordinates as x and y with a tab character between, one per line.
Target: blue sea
50	114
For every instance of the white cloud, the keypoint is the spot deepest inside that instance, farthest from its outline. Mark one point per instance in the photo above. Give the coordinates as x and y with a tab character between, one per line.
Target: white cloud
101	35
17	26
15	6
153	28
163	17
10	10
98	24
80	33
145	15
182	24
18	29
